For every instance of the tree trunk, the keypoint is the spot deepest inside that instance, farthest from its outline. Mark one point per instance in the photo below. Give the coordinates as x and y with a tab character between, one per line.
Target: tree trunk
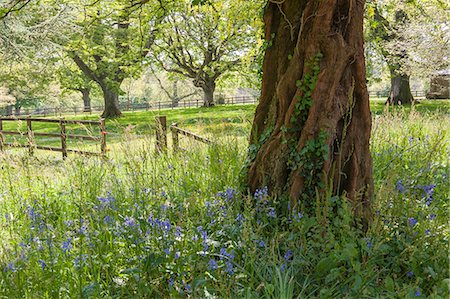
400	93
175	98
312	125
9	110
86	99
17	109
208	94
111	99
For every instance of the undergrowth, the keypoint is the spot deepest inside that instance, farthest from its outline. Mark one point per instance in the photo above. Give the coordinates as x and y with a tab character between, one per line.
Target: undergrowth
142	225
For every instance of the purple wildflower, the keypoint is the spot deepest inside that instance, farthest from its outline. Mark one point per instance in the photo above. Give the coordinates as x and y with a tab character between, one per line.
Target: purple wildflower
212	264
43	264
67	245
230	270
410	274
412	221
271	213
262	244
399	186
129	222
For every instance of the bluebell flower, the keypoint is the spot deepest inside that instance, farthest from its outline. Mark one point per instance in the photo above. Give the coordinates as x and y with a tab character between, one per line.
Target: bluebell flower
412	221
369	243
399	186
177	255
167	251
432	217
188	287
427	232
230	193
418	294
230	270
43	264
107	219
129	222
262	244
212	264
298	216
261	193
288	255
11	267
67	245
240	218
80	260
271	212
171	281
410	274
178	232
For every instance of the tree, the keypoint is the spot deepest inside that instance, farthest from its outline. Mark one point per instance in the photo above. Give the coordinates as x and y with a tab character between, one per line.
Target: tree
202	42
72	78
312	125
115	38
385	31
413	38
173	93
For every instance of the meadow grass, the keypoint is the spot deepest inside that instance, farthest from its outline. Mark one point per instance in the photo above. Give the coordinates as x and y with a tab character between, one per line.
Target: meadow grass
143	225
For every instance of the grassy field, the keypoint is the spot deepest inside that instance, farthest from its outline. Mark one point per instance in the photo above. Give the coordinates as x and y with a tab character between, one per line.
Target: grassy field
142	225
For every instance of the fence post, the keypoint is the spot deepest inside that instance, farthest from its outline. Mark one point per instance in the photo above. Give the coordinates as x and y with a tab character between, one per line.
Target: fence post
1	135
175	140
30	136
62	124
103	137
161	133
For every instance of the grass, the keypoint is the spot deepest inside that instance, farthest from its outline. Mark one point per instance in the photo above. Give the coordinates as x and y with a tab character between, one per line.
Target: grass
142	225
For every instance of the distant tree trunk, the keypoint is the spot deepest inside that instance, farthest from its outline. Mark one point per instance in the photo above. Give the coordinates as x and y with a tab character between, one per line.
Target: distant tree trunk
175	98
111	99
208	93
9	110
86	99
17	109
400	93
312	125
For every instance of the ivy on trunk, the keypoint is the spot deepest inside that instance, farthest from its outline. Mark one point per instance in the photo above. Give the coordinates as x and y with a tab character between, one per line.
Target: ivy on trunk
312	125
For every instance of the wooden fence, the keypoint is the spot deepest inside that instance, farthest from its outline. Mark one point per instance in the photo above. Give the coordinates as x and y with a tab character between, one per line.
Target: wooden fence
161	135
154	105
31	143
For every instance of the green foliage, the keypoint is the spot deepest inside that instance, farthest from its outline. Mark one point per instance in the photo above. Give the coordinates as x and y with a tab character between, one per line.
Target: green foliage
167	226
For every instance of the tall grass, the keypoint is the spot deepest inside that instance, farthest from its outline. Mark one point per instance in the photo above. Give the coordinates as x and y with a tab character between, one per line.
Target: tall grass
147	225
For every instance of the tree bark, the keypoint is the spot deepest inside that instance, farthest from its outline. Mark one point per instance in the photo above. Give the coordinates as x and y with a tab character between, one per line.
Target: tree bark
9	110
111	99
86	99
208	94
400	93
17	109
312	125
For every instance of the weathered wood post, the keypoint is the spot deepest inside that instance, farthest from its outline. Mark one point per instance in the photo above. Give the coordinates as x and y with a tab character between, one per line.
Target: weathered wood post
62	124
175	140
30	136
1	134
103	137
161	133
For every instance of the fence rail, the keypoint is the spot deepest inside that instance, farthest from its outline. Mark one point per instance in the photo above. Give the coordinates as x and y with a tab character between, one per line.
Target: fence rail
63	135
59	111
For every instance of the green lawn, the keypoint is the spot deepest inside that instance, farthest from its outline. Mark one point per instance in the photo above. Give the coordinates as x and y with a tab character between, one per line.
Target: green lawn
232	120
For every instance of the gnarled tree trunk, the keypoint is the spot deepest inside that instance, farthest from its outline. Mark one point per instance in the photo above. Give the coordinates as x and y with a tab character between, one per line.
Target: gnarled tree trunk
208	93
312	125
400	92
111	99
